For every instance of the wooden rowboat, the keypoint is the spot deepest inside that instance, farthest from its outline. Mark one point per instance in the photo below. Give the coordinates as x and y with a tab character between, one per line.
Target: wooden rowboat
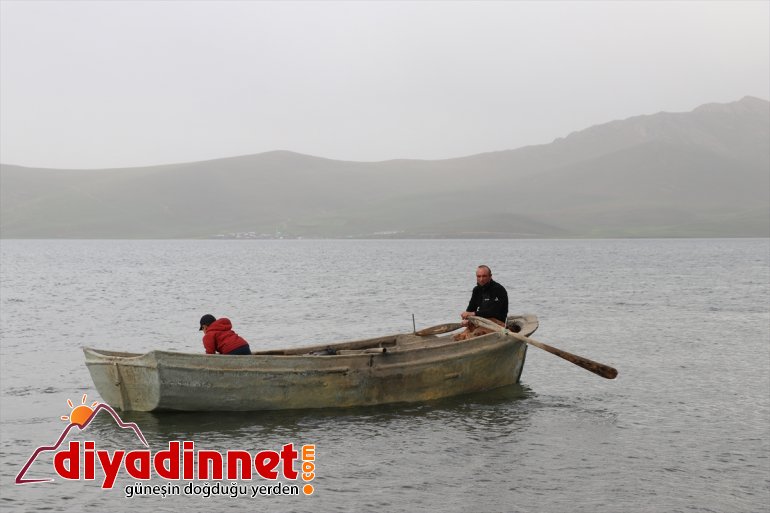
390	369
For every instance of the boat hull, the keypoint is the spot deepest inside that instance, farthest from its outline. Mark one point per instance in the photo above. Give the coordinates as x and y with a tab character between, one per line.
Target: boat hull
398	368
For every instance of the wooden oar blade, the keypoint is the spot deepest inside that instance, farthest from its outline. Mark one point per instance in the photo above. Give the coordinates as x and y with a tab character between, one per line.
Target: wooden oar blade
441	328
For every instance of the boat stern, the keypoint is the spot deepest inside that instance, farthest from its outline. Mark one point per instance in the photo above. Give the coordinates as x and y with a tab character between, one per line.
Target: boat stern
126	381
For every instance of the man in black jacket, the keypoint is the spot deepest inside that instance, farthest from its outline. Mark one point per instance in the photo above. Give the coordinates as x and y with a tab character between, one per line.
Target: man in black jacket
489	299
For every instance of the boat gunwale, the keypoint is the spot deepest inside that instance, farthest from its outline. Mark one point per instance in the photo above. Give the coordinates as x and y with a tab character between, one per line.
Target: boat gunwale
407	347
488	342
104	356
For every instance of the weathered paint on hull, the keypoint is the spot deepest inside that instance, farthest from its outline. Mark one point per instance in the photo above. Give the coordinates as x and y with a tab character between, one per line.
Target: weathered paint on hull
413	369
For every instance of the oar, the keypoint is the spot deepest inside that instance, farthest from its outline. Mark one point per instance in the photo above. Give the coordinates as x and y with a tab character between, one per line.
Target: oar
602	370
441	328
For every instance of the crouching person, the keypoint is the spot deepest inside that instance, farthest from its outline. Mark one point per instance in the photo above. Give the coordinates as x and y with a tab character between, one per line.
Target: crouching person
219	337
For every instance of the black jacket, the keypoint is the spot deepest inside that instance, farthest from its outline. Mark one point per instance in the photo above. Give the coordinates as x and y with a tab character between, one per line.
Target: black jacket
489	301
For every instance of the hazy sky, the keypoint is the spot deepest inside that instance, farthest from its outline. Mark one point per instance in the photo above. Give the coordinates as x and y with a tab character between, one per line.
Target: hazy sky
119	84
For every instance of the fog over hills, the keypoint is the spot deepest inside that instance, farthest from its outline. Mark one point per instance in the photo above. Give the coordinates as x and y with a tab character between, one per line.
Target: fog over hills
700	173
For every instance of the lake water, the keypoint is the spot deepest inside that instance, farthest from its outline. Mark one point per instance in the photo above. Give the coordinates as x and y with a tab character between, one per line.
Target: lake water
684	428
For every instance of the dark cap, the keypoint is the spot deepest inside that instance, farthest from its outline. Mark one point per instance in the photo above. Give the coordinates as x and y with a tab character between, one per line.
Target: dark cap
206	320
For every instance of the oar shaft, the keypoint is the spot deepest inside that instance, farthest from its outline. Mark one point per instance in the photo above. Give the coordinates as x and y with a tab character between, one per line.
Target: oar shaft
441	328
600	369
597	368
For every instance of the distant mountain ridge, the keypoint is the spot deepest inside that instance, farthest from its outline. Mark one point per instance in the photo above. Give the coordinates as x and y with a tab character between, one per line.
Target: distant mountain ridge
704	173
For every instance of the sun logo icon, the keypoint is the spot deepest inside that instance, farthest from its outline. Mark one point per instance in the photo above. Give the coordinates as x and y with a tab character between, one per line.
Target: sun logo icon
81	413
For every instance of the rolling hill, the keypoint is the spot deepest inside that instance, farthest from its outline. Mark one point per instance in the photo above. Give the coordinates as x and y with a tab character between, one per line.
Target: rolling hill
704	173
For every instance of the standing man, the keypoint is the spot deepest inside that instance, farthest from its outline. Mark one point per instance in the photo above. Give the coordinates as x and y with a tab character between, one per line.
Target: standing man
489	299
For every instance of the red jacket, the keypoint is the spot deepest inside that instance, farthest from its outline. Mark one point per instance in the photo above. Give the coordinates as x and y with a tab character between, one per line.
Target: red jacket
220	337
